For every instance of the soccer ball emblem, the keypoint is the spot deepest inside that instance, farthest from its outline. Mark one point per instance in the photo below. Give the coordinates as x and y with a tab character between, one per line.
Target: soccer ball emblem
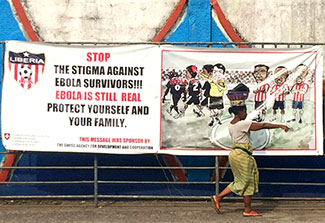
25	71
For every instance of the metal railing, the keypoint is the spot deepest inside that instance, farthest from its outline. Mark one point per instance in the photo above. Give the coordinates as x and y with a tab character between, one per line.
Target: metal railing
96	182
95	168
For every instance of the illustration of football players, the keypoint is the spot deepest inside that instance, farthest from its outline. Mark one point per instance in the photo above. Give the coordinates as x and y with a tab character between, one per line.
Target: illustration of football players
260	74
206	74
217	89
176	87
193	90
280	90
299	90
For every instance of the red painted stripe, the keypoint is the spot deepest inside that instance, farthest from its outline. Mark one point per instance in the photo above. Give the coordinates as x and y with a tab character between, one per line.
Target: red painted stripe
173	161
9	161
170	21
225	24
24	20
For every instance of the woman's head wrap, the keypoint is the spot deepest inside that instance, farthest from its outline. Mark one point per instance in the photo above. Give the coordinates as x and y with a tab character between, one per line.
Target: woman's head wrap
238	95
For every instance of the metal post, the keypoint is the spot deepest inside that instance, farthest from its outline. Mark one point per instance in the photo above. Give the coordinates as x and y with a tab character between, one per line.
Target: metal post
217	175
95	180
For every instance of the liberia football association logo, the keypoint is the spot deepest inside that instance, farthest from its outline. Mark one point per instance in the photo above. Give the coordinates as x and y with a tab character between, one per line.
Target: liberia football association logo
27	68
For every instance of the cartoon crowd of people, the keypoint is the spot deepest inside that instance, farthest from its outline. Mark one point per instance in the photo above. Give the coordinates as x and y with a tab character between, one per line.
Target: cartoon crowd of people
205	89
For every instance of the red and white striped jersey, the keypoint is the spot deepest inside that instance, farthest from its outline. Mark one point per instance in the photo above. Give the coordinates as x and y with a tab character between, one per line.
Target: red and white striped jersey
299	91
261	96
280	91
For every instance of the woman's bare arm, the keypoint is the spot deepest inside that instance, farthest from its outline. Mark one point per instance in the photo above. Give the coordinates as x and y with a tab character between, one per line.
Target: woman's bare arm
264	125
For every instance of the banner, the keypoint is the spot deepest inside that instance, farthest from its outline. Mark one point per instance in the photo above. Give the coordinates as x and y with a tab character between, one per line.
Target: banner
285	87
81	99
135	99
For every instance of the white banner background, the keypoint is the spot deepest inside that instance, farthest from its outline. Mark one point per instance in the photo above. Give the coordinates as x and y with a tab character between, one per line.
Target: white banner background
30	120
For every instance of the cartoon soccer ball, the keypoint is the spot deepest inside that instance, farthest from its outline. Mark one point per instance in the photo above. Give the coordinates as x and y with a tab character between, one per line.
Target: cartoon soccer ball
25	71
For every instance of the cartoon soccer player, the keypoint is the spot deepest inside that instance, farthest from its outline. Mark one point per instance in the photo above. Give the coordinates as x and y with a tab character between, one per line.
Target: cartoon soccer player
206	74
176	87
260	74
299	90
193	90
280	90
217	89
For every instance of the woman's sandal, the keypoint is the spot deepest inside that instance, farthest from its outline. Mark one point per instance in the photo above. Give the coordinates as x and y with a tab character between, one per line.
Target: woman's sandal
215	204
251	214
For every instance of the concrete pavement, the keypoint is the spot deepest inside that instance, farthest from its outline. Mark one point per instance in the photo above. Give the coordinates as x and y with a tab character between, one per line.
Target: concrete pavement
158	211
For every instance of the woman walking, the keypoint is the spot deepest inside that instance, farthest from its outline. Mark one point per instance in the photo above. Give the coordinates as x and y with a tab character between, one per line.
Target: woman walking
242	163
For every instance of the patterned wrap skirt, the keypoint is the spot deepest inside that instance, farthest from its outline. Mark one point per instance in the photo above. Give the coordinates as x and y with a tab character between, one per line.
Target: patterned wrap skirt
246	176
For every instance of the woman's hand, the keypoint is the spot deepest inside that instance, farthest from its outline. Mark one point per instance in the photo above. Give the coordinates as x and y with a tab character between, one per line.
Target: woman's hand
285	128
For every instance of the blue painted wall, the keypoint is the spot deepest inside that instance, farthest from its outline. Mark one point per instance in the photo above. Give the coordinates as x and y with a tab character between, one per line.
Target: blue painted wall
8	24
198	25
